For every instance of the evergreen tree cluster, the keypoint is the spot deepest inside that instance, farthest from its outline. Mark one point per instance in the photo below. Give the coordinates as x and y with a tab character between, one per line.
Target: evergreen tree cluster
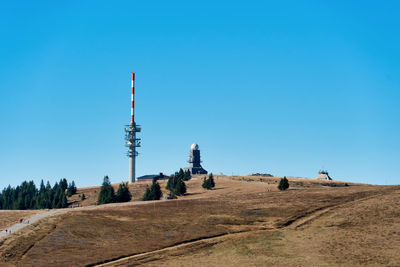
27	196
71	190
153	193
209	183
176	184
283	184
107	193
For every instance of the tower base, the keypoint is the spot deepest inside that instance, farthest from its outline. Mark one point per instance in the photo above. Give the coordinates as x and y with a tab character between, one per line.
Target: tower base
197	170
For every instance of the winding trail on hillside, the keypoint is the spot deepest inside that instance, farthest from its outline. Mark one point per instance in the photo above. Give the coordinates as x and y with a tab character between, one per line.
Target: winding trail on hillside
198	243
18	226
309	217
156	254
290	223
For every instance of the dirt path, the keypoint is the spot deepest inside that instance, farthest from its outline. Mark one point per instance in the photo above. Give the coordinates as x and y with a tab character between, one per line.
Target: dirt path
156	254
318	213
291	223
196	193
208	239
18	226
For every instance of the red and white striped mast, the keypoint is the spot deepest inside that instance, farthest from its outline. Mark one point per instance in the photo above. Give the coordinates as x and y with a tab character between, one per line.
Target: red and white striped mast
131	141
133	99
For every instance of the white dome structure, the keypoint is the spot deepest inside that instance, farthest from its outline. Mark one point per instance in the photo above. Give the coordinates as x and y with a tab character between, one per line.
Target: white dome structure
194	147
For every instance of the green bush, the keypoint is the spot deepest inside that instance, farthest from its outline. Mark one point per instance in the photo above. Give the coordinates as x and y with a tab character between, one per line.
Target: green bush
283	184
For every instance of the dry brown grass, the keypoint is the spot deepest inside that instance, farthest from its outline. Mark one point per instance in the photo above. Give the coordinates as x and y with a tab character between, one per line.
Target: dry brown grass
254	227
91	193
363	232
15	246
137	190
10	217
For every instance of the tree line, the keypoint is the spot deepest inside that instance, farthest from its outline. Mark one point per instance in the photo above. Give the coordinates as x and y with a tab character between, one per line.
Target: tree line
107	193
28	196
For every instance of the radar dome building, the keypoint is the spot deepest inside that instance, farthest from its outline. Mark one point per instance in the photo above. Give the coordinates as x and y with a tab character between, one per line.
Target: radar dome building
194	160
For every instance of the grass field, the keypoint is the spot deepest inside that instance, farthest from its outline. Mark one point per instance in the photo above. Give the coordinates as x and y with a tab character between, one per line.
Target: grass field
245	220
10	217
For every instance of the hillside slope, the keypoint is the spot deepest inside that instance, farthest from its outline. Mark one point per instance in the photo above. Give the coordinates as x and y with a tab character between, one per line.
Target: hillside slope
238	222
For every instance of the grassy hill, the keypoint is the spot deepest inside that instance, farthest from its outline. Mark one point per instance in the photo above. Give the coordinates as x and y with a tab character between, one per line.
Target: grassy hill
245	220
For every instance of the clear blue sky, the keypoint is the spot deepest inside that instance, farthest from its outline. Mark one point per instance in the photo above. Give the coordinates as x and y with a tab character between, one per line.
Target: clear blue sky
284	87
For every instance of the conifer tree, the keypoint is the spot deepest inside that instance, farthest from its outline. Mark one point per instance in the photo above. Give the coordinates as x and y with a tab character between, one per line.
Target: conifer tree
63	184
71	190
206	183
107	194
283	184
154	192
123	194
63	201
147	195
176	184
49	196
187	176
209	183
181	174
171	183
211	179
180	188
42	187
